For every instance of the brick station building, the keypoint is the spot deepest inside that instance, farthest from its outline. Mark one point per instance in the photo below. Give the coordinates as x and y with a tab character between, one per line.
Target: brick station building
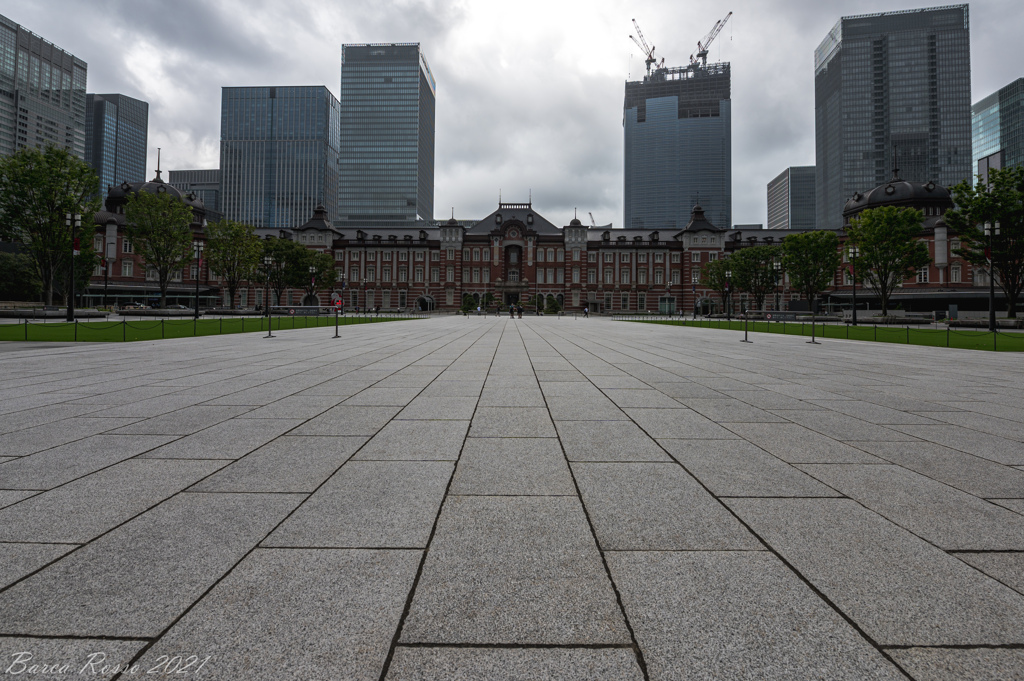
514	253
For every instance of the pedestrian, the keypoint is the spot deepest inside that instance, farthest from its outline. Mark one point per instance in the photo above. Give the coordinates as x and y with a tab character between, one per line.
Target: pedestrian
519	311
586	312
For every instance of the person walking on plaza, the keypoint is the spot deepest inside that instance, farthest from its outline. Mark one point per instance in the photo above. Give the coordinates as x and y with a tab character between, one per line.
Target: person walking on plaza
586	312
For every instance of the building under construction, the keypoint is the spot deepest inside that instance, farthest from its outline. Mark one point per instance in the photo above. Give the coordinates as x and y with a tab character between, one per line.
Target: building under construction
678	142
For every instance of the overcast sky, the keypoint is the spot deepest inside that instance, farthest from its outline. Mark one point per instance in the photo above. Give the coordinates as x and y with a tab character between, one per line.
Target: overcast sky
529	93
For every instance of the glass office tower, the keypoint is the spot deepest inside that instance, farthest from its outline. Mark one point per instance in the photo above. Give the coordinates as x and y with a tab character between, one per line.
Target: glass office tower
116	129
678	147
42	93
892	81
205	184
387	133
997	128
278	155
791	199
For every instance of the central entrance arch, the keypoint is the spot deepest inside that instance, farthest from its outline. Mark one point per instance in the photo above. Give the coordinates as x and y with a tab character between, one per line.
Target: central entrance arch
425	303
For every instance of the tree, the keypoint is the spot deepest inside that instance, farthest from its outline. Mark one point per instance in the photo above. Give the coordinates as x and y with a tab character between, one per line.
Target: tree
232	252
1002	202
753	271
85	265
712	275
288	265
467	304
811	260
158	227
38	188
18	278
551	305
890	251
323	275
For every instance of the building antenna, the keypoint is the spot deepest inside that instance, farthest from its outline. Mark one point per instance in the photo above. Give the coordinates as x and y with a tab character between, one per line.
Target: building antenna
895	163
158	163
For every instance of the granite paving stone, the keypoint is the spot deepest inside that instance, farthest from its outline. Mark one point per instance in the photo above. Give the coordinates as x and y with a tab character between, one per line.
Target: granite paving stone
739	469
20	559
297	614
416	440
13	496
434	407
947	517
842	426
1015	505
369	504
53	467
586	409
640	398
295	407
607	441
383	397
512	422
957	664
183	421
987	446
514	570
49	435
227	440
1007	567
972	474
497	466
293	463
899	589
178	550
795	444
84	509
348	420
731	615
511	397
519	664
677	423
654	507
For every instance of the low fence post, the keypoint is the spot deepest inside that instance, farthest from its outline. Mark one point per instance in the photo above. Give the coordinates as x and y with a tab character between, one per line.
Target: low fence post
947	336
908	335
994	334
76	330
26	328
163	334
124	330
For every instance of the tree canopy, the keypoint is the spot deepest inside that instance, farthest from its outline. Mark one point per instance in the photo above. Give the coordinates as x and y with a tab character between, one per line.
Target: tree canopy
38	189
811	260
288	265
158	227
890	249
1000	201
753	271
712	275
233	252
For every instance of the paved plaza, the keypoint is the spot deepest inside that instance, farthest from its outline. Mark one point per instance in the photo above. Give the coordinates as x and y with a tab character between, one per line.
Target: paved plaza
487	498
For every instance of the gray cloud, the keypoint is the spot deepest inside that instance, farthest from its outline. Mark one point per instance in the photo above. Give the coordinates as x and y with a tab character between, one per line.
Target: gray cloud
529	96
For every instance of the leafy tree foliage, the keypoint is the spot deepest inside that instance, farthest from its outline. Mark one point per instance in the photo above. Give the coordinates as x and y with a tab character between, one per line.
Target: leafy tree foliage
18	278
233	253
158	226
38	188
753	271
811	260
323	276
1001	201
890	251
288	265
551	305
712	275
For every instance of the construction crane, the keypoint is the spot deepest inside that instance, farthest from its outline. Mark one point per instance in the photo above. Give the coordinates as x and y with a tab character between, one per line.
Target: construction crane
593	223
703	45
648	50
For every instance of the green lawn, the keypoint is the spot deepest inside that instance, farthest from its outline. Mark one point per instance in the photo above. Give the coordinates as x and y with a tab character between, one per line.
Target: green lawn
155	329
952	338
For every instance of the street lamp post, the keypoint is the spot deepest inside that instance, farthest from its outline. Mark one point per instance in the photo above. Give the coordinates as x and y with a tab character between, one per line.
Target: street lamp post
854	254
777	268
364	295
312	283
73	221
267	260
991	230
728	295
198	250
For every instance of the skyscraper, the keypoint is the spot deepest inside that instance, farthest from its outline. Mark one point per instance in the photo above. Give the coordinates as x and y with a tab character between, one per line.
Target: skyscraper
891	81
791	199
278	155
997	128
205	184
116	129
42	93
387	133
678	146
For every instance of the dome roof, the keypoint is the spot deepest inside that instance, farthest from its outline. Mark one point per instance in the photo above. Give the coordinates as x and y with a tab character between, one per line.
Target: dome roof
897	192
453	222
575	222
117	197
